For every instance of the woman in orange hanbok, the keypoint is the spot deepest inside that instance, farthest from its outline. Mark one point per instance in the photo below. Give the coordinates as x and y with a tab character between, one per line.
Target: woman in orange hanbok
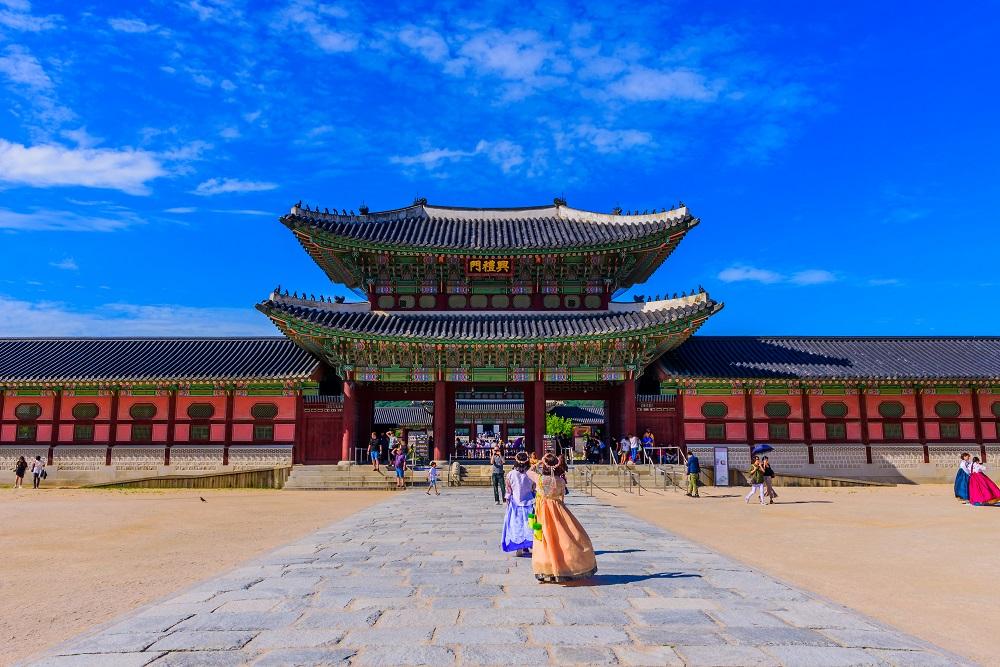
564	552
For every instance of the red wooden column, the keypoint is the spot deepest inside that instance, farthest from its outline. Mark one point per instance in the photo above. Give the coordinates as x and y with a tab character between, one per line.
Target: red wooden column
807	425
112	426
628	406
228	433
918	392
298	444
440	420
171	422
56	419
680	438
350	420
866	438
538	416
977	424
748	408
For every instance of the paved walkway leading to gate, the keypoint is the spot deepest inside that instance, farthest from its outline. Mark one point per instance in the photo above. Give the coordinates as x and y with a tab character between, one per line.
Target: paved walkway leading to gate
420	580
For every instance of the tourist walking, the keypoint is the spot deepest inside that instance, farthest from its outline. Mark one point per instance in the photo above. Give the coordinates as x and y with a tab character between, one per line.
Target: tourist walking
962	477
399	463
496	460
37	471
694	472
564	552
982	489
768	480
520	497
19	469
623	448
374	450
756	478
633	447
432	479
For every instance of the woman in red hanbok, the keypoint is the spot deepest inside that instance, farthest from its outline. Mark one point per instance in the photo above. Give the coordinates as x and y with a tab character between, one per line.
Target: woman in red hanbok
982	489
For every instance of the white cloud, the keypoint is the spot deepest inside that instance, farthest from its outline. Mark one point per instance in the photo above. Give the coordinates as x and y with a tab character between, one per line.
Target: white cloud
613	141
218	186
60	221
227	85
884	282
244	211
181	209
516	54
23	68
812	277
81	137
48	318
135	26
312	18
230	133
425	41
68	264
49	165
432	158
743	273
642	84
735	274
504	153
18	16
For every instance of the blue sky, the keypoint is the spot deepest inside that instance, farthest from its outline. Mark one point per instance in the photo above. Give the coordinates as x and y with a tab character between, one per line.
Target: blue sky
842	156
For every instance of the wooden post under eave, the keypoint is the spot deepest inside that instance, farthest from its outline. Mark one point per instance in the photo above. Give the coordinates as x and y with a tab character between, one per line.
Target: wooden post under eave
977	424
112	426
538	416
171	423
748	408
807	426
349	421
440	420
866	439
297	444
56	410
921	426
628	405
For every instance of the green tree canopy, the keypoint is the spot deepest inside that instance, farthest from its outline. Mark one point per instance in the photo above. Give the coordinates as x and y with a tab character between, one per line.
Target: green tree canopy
556	425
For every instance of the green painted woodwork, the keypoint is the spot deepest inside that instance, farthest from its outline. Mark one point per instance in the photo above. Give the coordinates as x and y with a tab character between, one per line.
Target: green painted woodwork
86	391
776	390
142	392
890	390
834	389
265	392
714	390
27	392
948	389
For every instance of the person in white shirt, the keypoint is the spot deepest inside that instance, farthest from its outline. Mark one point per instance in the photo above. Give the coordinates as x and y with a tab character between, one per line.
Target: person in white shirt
37	470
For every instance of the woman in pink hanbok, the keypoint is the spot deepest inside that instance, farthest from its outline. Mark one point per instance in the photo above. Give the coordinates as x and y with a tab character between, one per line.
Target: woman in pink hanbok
982	489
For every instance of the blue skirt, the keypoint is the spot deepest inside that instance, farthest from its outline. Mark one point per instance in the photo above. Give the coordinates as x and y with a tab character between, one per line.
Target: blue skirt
516	534
962	485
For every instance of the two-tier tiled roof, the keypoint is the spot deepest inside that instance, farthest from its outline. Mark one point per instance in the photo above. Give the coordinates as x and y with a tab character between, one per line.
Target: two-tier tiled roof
487	326
506	230
97	360
579	414
803	357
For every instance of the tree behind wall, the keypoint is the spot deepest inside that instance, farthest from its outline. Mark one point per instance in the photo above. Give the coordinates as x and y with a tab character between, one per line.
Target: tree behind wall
556	425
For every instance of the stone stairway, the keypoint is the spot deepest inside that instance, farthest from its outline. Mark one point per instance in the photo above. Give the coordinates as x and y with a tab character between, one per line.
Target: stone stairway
347	476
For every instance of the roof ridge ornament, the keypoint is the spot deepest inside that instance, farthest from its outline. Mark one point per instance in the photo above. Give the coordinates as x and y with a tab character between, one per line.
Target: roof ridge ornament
559	201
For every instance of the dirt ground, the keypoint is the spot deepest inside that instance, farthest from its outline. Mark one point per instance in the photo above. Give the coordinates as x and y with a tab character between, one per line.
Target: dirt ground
76	558
909	556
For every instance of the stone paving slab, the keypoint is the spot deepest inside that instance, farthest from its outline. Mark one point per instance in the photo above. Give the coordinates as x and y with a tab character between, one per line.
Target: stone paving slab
421	581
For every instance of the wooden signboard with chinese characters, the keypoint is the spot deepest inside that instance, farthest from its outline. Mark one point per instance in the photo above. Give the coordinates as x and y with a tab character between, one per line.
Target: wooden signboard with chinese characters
488	266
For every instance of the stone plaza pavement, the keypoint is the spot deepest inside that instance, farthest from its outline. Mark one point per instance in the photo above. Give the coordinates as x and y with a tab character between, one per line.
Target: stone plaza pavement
421	580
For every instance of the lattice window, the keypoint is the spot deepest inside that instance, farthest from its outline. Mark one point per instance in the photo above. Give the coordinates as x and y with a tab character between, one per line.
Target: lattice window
142	411
264	411
947	409
891	409
142	433
836	431
200	433
26	432
201	410
777	430
777	409
263	433
28	411
892	430
950	431
714	410
715	432
86	410
83	432
834	409
995	408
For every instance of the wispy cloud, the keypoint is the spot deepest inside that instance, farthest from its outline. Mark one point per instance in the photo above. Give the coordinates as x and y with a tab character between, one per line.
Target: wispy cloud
319	21
50	318
744	273
885	282
44	220
218	186
181	209
16	15
134	26
503	153
22	68
642	84
67	264
52	165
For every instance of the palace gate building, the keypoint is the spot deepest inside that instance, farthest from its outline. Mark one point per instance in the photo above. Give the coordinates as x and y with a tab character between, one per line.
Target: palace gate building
481	319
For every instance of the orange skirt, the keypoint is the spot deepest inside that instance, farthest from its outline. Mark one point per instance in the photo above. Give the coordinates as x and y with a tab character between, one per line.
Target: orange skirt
565	551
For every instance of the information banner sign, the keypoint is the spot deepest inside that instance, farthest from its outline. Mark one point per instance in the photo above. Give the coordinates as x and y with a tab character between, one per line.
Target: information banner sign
721	466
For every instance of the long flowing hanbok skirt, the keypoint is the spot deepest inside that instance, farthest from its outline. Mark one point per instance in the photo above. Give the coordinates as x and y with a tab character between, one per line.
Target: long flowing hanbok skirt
962	485
516	532
565	552
983	490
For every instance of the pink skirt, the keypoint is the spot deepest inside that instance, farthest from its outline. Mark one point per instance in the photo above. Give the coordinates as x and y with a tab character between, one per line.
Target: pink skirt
983	490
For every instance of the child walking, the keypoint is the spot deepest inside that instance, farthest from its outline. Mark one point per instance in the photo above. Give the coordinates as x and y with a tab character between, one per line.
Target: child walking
520	497
432	479
564	552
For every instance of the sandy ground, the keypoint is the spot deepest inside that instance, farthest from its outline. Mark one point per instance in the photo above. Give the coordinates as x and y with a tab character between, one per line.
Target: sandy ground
76	558
910	556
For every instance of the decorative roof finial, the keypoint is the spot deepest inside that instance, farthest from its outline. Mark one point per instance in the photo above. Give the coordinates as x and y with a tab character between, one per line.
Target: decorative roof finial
298	204
701	290
343	211
559	201
617	210
326	210
363	208
338	299
420	201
